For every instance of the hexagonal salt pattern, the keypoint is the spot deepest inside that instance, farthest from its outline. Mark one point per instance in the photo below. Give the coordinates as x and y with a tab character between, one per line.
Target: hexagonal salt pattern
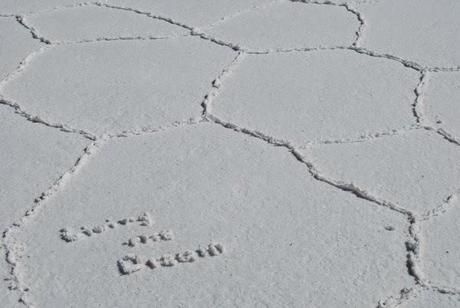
99	23
310	97
145	83
422	31
16	44
416	170
246	153
441	103
285	239
289	25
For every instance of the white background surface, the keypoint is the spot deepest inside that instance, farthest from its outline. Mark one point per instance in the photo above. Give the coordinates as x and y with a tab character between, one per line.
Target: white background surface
317	142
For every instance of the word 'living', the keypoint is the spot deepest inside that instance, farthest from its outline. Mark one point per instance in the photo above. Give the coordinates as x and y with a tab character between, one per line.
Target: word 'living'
69	235
132	263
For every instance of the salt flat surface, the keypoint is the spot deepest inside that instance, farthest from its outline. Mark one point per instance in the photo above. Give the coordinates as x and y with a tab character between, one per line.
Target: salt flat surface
32	154
209	184
124	93
441	104
305	97
195	13
441	252
13	7
422	31
284	25
379	166
16	45
7	297
92	23
426	298
262	153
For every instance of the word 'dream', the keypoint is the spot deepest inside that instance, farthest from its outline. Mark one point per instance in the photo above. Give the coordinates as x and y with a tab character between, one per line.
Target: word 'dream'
132	263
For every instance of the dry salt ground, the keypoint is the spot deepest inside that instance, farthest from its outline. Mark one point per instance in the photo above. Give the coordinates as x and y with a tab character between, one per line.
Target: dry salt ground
230	153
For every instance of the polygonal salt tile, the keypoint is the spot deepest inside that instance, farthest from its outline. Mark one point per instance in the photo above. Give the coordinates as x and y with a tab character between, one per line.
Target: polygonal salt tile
145	83
193	13
289	25
431	299
284	238
441	248
441	102
16	7
416	170
16	44
94	22
305	97
422	31
33	157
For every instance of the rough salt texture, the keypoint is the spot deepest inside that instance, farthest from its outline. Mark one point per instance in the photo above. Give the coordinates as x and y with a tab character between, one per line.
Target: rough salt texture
194	13
229	153
422	31
16	44
33	157
31	6
32	154
94	22
305	97
289	25
7	297
416	170
442	249
431	299
208	183
442	103
145	83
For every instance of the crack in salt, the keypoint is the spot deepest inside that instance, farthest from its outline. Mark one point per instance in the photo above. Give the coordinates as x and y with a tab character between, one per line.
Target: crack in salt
8	242
36	119
110	39
446	204
35	35
217	82
413	243
192	30
417	106
153	130
242	12
359	32
363	138
395	301
11	246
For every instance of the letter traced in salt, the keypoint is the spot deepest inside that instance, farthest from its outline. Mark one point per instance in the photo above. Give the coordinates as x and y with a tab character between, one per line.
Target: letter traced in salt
167	260
187	256
123	221
145	219
152	263
166	235
129	264
98	229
